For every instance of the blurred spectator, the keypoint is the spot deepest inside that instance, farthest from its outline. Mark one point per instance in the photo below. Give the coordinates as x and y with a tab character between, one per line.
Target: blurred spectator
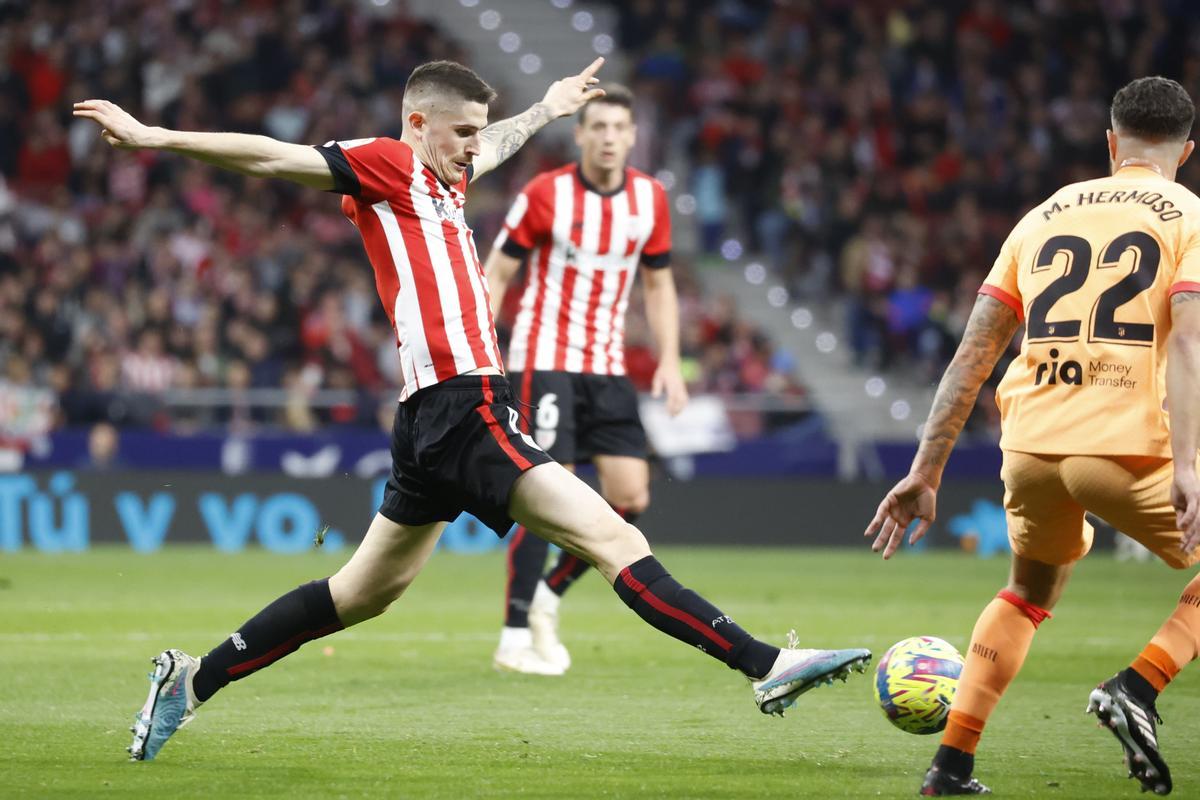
27	411
104	447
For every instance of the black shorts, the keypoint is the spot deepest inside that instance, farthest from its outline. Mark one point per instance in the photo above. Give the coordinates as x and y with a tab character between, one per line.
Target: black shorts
575	416
458	446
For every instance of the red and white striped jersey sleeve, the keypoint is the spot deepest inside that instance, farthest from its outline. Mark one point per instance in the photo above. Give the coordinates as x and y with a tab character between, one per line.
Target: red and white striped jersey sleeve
656	253
529	220
369	169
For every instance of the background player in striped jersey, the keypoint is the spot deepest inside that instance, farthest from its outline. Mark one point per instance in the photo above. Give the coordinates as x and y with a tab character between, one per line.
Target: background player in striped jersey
1105	274
455	444
585	229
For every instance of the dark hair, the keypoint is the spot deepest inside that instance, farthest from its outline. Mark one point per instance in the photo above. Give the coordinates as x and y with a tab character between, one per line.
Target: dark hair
1154	109
614	95
450	77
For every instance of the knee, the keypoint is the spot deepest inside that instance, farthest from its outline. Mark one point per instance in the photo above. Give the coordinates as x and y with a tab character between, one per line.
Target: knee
633	502
629	499
356	603
616	546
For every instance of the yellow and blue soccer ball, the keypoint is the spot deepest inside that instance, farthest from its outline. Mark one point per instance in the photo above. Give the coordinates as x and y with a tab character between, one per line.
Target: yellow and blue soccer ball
915	683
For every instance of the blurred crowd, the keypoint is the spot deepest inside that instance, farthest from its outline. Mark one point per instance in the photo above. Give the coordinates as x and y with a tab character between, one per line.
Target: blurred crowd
875	152
879	152
130	277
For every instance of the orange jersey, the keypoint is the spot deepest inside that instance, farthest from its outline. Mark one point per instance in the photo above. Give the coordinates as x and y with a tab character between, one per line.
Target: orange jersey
1091	271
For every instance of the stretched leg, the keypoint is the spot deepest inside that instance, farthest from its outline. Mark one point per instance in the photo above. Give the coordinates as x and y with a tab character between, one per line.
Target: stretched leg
552	502
999	644
383	566
625	484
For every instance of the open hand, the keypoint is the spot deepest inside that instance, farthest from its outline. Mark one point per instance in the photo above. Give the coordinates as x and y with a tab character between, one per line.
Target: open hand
117	126
566	96
668	382
1185	496
912	498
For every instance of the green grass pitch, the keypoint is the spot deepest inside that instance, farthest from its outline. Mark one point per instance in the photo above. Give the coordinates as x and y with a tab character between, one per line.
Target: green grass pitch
407	705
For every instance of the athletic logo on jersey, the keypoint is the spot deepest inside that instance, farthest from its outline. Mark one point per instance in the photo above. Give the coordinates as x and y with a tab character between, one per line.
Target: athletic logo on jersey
448	212
238	642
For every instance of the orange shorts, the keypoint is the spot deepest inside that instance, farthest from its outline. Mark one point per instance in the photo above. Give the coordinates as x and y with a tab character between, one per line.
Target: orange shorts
1045	498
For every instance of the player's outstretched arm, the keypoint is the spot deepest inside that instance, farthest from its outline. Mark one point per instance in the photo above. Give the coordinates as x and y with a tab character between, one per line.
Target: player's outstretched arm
662	314
500	140
989	330
259	156
1183	406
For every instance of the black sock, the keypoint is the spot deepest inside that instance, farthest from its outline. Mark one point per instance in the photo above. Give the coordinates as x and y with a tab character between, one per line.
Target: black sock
647	588
303	614
565	572
1139	687
569	568
526	558
953	761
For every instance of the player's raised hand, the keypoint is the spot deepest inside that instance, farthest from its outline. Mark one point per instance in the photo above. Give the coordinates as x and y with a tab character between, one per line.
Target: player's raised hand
568	95
913	498
117	126
1185	496
669	382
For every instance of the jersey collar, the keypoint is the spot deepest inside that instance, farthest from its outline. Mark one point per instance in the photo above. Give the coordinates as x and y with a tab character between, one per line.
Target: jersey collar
592	188
1137	163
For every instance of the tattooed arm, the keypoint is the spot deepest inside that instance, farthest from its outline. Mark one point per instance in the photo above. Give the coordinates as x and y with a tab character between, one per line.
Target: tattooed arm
989	331
500	140
1183	394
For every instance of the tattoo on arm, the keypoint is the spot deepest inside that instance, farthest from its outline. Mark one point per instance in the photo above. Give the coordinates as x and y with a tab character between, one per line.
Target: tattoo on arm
989	330
508	135
1183	297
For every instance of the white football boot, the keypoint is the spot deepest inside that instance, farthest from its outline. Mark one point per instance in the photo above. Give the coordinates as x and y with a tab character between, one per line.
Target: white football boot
543	622
796	671
517	654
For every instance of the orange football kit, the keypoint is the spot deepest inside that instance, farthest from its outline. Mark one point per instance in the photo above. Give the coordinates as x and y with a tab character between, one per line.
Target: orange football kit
1083	413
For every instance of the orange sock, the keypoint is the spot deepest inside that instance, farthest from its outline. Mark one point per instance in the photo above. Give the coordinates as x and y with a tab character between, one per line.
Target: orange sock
1156	666
998	646
1177	642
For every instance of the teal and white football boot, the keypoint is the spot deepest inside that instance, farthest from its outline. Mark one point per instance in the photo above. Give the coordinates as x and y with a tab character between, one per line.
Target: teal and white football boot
796	671
171	704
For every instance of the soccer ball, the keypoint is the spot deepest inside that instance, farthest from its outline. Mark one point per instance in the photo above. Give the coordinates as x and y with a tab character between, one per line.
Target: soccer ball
915	682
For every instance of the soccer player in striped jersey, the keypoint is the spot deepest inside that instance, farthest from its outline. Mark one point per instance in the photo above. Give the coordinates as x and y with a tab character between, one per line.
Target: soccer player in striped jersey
456	444
1099	413
584	229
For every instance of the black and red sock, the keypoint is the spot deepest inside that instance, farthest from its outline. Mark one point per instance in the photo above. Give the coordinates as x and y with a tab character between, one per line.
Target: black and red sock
303	614
526	557
647	588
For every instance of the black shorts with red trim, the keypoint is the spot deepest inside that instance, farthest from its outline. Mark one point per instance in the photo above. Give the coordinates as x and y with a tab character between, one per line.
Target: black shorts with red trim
458	446
577	415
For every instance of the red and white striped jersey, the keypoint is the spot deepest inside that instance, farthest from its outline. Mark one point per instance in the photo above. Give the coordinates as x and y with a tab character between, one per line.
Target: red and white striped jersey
427	271
584	247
